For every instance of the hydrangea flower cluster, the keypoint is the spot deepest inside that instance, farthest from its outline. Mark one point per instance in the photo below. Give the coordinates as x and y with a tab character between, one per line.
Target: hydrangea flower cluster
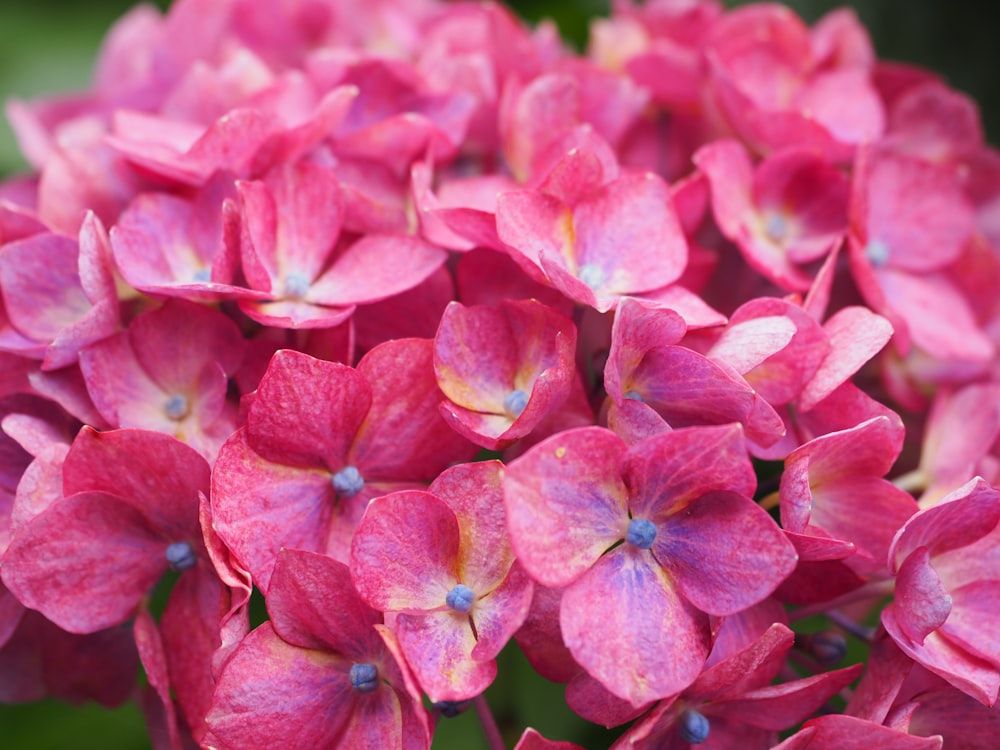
438	336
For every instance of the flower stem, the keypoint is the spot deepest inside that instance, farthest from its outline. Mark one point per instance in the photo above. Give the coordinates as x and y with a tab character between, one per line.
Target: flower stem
490	728
861	632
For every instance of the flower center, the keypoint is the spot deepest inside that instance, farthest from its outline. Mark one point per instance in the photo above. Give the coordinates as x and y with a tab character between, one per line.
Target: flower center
296	285
364	678
693	727
877	253
348	482
776	228
202	275
176	407
514	403
181	556
634	395
641	533
460	598
591	275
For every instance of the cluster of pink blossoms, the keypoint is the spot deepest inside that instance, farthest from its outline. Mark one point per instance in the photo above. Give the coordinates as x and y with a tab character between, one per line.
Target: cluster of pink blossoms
438	335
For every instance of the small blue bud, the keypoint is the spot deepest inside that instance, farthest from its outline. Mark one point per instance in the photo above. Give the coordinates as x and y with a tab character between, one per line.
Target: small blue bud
515	402
460	598
296	285
634	395
641	533
176	407
451	709
877	253
776	228
693	727
348	482
181	556
202	275
591	275
364	678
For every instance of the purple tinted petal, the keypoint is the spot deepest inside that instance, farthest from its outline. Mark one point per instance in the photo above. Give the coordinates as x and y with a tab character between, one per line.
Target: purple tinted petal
566	503
297	697
725	552
626	624
404	555
667	472
438	646
313	604
85	562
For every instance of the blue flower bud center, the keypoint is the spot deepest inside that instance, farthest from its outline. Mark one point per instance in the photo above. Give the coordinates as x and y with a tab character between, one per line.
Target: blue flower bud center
877	253
451	709
364	678
181	556
693	727
176	407
634	395
202	275
348	482
641	533
460	598
515	402
776	228
591	275
296	285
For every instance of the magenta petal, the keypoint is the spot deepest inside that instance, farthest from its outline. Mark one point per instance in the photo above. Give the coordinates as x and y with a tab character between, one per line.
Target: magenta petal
85	562
839	732
566	503
630	232
474	492
313	604
499	614
403	437
627	625
777	707
438	646
374	268
754	664
307	411
921	601
157	474
260	506
297	697
475	357
404	552
940	655
670	471
725	552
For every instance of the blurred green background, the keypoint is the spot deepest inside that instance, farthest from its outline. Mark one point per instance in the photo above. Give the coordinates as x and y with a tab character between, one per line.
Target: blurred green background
48	46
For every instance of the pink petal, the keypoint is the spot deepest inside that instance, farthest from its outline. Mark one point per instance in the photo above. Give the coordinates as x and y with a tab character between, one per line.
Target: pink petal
670	471
374	268
260	506
438	646
725	552
566	503
294	694
403	437
307	411
404	555
856	335
86	562
625	623
313	604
